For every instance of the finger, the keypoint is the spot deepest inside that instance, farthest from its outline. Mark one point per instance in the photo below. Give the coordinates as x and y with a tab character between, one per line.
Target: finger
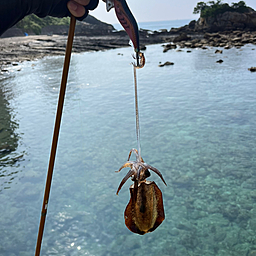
76	9
82	2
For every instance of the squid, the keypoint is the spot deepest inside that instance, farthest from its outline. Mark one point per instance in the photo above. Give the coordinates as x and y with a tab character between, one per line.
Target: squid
145	210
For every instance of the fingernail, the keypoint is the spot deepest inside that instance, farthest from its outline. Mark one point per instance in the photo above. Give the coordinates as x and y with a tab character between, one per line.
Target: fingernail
73	6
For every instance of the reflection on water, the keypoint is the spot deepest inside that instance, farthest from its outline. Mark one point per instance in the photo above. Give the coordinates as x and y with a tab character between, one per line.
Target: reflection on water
8	142
198	122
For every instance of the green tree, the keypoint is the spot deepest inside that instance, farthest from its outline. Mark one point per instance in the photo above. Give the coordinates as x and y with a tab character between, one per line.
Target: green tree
35	24
213	8
240	6
200	7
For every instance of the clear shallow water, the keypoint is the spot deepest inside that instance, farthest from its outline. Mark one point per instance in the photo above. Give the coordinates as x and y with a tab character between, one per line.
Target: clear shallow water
197	127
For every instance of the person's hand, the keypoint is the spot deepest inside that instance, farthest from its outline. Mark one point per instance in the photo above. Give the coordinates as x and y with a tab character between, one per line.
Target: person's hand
78	7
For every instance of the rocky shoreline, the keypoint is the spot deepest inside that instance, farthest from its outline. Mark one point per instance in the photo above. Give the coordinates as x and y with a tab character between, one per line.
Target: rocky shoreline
225	39
18	49
225	30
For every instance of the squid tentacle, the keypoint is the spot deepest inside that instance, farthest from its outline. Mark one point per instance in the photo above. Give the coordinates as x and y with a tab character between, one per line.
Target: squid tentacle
127	164
155	170
127	176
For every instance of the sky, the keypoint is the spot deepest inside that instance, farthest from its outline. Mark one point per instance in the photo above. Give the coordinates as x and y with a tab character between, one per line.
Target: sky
157	10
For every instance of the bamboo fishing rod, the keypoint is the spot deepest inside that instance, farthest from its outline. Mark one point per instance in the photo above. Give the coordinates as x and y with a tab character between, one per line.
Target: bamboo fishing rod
56	133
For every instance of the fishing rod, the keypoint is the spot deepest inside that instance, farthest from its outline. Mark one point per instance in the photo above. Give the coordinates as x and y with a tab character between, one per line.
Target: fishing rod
71	33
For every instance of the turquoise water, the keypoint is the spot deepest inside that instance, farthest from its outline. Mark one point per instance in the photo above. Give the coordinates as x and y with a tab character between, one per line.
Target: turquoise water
198	122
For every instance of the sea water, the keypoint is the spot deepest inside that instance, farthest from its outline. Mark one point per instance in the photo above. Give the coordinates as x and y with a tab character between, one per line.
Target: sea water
198	120
157	25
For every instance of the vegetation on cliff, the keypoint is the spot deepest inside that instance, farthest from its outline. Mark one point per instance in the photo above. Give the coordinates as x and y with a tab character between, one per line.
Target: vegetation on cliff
213	8
33	23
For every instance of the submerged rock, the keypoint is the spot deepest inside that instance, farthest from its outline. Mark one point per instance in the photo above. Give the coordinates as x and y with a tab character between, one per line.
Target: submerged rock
252	69
167	63
231	212
253	194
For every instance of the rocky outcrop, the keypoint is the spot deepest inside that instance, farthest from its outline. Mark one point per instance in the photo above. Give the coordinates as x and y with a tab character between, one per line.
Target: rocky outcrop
226	40
89	27
14	31
227	21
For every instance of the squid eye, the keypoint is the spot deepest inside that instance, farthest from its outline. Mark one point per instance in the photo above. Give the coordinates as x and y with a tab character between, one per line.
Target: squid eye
147	173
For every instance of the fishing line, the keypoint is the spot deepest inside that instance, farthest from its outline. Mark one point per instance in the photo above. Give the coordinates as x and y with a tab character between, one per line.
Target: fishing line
137	111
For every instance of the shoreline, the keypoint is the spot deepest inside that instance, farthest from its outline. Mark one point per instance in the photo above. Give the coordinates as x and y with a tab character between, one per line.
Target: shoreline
14	50
26	48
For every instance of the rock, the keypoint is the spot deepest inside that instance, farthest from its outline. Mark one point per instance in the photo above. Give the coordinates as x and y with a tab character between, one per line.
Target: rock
219	61
231	212
227	21
189	51
192	24
253	192
204	41
14	31
198	45
243	218
163	30
227	47
169	47
174	232
252	69
188	44
211	35
202	172
218	51
189	240
220	235
184	225
236	39
167	63
181	37
143	48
